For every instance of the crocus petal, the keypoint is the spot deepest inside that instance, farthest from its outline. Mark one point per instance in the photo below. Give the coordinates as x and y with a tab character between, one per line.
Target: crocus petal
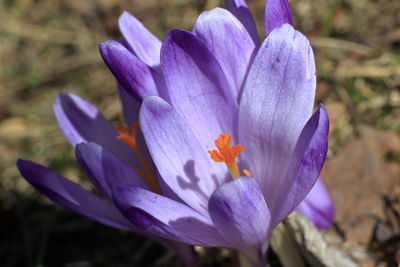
134	75
276	103
166	190
183	163
130	105
72	196
277	13
304	168
318	206
239	212
197	86
229	41
241	11
139	40
165	217
104	169
130	109
81	122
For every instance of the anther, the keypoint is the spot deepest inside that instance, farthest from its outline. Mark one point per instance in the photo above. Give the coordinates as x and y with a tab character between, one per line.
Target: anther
227	153
247	172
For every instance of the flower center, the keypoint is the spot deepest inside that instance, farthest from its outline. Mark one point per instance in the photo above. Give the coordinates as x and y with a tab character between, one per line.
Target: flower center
147	173
227	153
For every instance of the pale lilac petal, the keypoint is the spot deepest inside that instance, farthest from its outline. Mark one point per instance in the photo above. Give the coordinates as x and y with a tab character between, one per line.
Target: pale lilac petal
318	206
104	169
241	11
229	41
184	165
81	122
239	212
134	75
304	168
72	196
277	13
140	40
165	217
276	103
197	86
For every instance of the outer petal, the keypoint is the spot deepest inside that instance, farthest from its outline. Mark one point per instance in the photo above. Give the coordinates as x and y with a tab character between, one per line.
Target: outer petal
81	122
276	103
239	212
318	206
229	41
72	196
277	13
166	190
197	86
304	168
104	169
139	40
183	163
241	11
134	75
165	217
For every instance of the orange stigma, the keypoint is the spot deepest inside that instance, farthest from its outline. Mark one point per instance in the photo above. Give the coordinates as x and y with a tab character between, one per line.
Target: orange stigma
228	153
127	137
247	172
148	173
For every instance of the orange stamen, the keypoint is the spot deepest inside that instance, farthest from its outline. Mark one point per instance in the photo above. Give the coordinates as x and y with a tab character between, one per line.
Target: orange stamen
227	153
148	173
127	137
247	172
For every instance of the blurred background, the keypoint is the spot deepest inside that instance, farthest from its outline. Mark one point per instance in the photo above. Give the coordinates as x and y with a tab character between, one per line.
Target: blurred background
47	47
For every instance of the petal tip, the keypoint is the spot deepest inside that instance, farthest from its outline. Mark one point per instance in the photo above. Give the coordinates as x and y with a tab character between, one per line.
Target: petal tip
125	17
277	13
175	35
109	49
21	163
28	170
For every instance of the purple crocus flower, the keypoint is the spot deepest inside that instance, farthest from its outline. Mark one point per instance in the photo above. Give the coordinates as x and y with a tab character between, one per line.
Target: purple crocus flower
137	66
216	85
219	83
